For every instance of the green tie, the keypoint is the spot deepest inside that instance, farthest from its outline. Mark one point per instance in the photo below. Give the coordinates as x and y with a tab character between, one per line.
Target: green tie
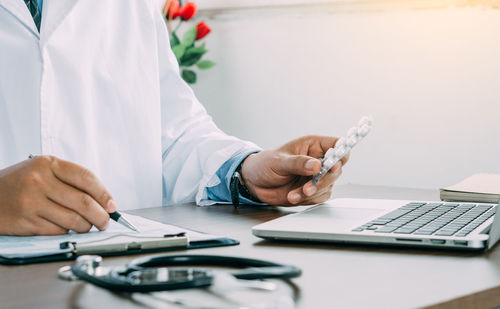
35	12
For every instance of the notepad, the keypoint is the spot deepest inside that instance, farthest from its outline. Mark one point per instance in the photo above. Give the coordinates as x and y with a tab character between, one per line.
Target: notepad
154	236
481	188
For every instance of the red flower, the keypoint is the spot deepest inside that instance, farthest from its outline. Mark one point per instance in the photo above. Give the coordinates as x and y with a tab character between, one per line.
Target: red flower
188	10
173	9
202	30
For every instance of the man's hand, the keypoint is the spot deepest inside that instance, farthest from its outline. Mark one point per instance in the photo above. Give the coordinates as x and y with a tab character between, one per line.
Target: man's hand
48	196
283	176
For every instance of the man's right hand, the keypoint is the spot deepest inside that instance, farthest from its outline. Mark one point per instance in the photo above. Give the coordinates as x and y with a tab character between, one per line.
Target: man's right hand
49	196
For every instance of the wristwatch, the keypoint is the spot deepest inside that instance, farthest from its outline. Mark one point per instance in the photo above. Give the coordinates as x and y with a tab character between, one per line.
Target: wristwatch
237	187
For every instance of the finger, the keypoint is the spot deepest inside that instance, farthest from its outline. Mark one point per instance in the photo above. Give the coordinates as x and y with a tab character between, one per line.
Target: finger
65	218
81	203
319	192
319	145
296	196
319	198
45	227
328	142
345	158
333	174
297	165
83	179
299	195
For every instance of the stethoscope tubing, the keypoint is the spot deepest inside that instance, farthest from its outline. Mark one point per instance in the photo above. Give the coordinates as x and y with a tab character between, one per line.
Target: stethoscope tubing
250	269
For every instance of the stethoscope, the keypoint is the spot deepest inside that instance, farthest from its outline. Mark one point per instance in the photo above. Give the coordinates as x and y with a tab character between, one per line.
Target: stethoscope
157	273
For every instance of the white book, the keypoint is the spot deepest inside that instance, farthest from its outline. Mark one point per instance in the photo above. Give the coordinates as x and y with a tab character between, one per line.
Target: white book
480	188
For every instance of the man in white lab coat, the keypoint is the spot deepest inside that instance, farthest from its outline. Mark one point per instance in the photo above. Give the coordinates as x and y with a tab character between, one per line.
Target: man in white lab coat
92	89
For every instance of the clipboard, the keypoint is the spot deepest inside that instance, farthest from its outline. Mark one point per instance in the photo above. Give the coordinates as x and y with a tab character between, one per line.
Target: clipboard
70	246
168	243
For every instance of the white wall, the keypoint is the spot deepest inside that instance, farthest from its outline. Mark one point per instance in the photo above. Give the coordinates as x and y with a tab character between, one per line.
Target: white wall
430	77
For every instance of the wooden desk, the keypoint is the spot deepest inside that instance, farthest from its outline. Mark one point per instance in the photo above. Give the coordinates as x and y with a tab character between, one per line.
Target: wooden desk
334	276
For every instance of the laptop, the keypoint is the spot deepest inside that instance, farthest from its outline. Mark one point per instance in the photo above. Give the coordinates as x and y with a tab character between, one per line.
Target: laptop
467	226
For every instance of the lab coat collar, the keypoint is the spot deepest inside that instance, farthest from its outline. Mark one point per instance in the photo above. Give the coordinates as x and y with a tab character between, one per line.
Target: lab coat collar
19	9
54	12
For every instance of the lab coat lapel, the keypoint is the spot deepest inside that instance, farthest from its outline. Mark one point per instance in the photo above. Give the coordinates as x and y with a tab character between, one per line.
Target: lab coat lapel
19	9
54	12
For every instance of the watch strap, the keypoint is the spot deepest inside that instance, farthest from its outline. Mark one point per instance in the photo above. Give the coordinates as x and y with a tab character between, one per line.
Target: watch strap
238	188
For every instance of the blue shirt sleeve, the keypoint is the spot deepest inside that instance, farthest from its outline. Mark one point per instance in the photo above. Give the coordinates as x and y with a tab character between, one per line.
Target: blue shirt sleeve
222	192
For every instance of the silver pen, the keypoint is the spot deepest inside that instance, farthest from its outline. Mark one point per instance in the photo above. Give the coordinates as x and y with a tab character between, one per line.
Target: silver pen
116	216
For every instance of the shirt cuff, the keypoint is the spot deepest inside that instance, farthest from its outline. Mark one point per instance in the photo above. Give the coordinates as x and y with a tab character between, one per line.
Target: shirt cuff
221	193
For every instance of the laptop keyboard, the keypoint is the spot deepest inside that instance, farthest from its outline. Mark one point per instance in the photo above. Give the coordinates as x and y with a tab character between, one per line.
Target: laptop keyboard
440	219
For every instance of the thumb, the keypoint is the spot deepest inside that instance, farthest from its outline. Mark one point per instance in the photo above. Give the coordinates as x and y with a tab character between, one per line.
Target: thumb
299	165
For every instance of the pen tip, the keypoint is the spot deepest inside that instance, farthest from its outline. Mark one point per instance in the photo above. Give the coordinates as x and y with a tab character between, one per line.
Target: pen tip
129	225
132	227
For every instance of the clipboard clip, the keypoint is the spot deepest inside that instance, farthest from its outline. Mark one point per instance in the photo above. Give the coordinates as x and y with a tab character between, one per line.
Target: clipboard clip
126	243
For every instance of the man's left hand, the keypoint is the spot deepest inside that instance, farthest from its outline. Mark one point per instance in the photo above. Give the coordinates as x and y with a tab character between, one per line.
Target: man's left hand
283	176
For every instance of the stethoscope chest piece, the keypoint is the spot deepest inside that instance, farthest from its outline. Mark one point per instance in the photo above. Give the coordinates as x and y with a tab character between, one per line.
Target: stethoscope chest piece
66	273
88	263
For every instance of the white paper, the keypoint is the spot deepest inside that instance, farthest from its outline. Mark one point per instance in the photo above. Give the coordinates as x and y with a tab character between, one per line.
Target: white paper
32	246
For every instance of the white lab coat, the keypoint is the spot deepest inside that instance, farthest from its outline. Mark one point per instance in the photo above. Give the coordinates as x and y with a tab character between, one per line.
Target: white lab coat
100	87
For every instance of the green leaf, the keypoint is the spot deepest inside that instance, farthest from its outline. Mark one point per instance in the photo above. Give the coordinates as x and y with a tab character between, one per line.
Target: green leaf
174	40
196	50
205	64
190	59
179	51
192	55
189	37
189	76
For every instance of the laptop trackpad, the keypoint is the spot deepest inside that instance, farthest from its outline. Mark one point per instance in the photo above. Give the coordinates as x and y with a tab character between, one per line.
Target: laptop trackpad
341	213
